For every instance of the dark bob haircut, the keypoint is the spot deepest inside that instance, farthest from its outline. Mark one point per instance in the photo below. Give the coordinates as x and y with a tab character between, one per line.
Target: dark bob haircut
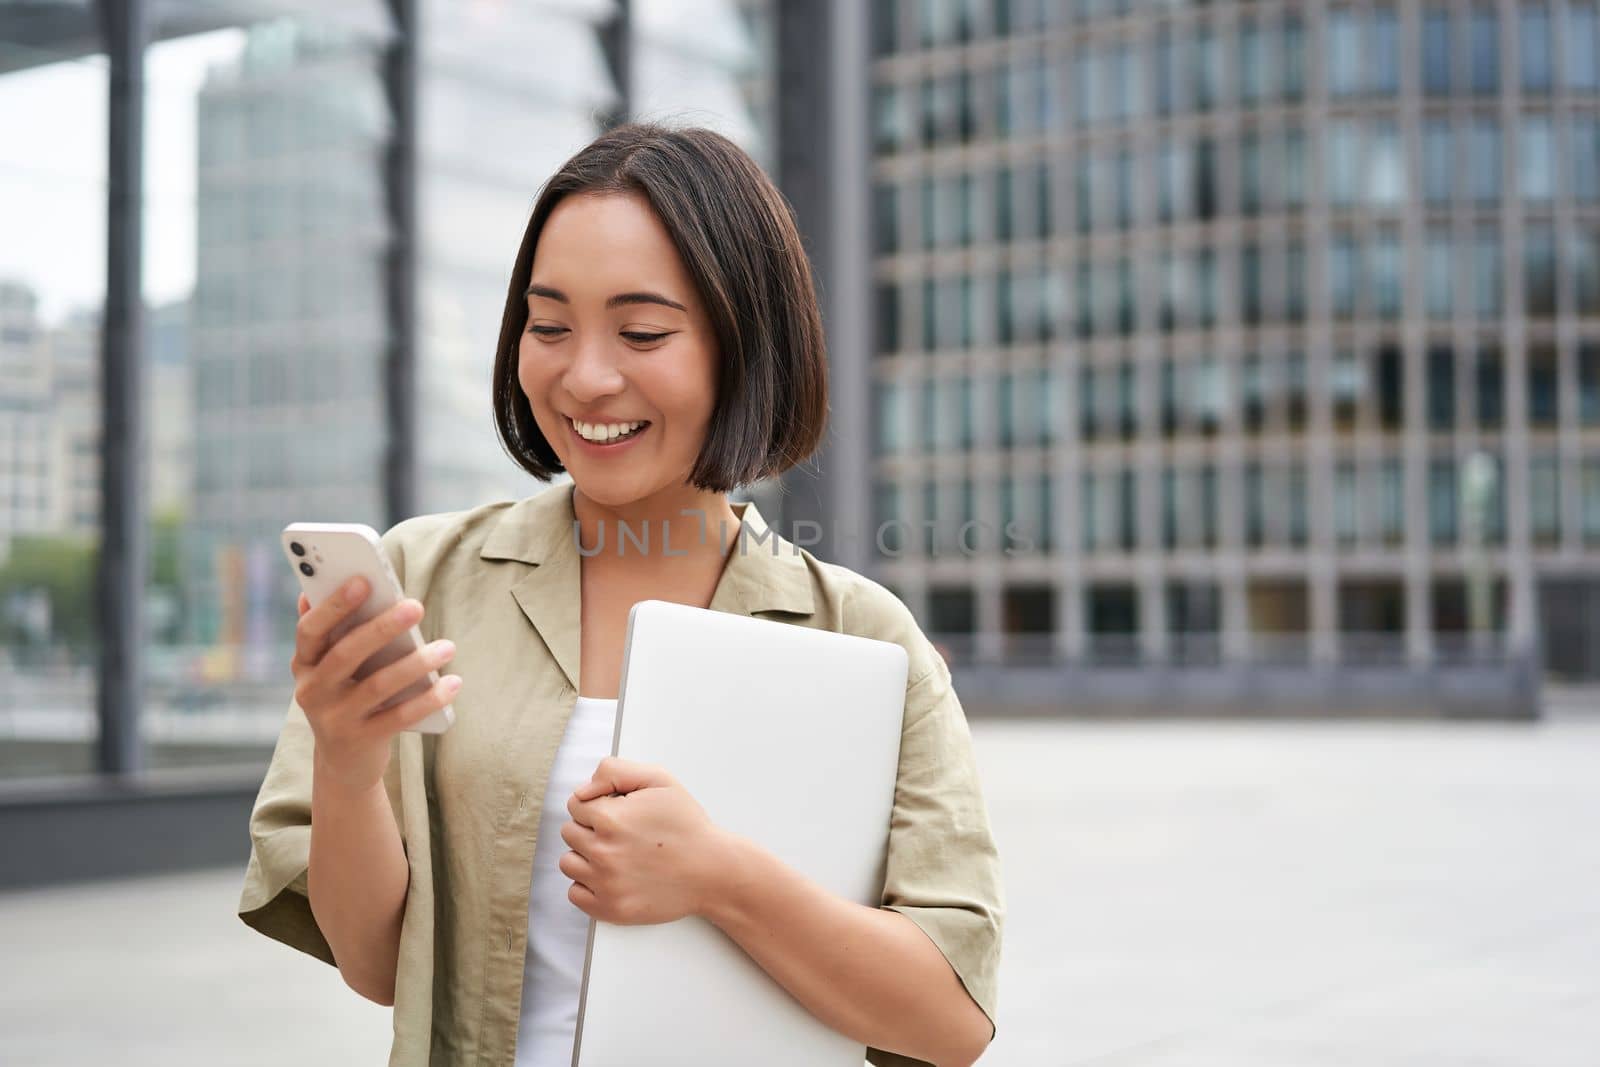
738	240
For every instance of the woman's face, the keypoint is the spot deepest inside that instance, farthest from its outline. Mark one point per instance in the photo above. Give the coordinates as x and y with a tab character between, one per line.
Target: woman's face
617	336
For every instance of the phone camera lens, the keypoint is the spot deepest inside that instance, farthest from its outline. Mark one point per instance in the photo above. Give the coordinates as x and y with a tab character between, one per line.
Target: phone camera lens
297	548
307	570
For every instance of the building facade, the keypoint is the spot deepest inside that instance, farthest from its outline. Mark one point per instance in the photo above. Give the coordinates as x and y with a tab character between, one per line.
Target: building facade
1216	306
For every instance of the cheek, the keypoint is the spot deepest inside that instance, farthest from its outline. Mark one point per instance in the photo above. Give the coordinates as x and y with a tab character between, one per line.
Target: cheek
531	371
524	362
686	390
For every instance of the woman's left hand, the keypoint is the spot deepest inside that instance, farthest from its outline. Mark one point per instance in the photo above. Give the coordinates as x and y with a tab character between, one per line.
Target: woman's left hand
643	849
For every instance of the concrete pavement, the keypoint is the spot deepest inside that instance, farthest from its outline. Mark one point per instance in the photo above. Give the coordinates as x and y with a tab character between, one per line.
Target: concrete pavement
1200	894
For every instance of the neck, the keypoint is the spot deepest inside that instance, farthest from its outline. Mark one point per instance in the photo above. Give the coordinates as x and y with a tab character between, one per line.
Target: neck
677	523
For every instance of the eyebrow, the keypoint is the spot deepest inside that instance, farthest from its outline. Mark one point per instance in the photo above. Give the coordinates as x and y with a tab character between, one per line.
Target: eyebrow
619	300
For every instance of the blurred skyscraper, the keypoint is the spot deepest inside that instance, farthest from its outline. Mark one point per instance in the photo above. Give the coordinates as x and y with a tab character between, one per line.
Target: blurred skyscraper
291	333
1215	301
332	199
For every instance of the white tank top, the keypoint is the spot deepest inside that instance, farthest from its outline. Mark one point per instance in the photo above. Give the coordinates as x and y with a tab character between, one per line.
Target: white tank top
558	931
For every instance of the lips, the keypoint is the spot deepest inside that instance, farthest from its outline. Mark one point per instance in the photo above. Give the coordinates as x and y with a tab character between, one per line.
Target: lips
613	443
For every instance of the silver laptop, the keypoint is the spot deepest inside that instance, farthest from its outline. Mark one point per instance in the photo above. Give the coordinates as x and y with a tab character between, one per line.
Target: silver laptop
787	736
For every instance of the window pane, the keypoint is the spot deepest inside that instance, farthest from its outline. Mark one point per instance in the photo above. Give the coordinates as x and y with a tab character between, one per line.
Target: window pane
1441	388
1536	163
1585	135
1384	33
885	27
1294	282
1544	486
1294	168
1346	386
1342	275
1293	57
893	417
1250	289
264	180
886	317
1252	63
1487	281
1483	160
52	294
1003	230
1583	69
1539	270
891	119
1589	383
890	520
1250	173
1542	401
1167	70
1491	399
1438	161
1208	69
1591	499
1533	35
1583	267
886	219
1124	185
1484	48
1344	53
1391	500
1344	161
1440	274
1384	273
1442	501
1436	52
1385	164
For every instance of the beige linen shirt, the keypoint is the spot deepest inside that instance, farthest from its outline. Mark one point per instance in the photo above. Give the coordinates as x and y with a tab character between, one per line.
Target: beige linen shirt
502	582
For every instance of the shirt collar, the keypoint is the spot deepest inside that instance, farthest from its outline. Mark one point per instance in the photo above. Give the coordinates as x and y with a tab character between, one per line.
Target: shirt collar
764	571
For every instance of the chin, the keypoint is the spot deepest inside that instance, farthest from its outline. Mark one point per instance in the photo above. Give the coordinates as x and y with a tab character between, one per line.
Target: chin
610	492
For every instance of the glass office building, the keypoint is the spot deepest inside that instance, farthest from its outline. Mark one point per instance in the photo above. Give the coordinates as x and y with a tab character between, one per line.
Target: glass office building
324	187
1245	334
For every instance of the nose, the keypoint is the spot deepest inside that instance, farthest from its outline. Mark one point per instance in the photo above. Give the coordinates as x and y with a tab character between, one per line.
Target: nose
592	373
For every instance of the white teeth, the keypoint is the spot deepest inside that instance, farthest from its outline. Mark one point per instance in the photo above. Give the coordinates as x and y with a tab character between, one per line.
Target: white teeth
601	434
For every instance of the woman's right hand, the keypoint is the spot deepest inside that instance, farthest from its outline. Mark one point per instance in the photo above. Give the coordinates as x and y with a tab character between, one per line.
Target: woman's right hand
352	742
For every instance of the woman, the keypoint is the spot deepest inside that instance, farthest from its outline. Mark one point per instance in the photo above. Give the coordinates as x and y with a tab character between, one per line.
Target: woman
661	343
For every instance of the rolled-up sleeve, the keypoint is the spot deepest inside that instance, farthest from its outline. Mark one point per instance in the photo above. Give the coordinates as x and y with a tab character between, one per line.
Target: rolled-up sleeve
943	869
275	899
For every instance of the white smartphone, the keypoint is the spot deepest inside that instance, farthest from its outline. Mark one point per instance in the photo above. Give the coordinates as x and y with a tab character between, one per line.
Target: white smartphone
325	555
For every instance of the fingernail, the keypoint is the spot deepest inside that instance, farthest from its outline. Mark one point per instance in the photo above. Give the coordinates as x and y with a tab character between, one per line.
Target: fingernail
354	587
452	682
443	647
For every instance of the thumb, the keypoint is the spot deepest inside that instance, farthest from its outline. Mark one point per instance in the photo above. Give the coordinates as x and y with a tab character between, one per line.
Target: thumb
615	775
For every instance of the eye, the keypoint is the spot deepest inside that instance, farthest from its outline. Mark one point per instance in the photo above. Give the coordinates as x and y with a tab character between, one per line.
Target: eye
547	331
640	338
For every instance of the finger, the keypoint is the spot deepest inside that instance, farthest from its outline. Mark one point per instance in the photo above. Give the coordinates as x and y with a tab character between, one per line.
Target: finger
583	898
382	684
409	712
574	866
595	814
304	604
336	672
591	789
311	633
579	837
578	809
615	775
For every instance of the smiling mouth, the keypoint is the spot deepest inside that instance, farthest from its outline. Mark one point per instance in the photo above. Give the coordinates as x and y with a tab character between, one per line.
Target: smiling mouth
641	428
